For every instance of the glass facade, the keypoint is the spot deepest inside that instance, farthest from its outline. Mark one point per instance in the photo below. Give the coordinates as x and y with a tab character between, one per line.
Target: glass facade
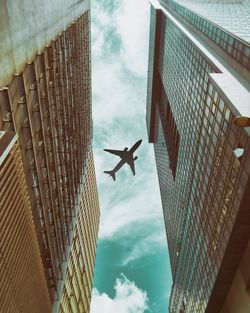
232	36
202	199
231	15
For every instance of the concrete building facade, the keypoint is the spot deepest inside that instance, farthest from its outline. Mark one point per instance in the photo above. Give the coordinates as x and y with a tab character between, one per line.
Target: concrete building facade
45	99
198	98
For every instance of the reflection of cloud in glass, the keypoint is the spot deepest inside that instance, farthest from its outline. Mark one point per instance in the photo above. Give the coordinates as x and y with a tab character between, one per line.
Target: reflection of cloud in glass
239	152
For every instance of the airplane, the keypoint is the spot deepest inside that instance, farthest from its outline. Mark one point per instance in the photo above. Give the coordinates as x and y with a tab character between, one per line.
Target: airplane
126	157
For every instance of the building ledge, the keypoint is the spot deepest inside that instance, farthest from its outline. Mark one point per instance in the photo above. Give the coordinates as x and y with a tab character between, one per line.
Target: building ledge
238	98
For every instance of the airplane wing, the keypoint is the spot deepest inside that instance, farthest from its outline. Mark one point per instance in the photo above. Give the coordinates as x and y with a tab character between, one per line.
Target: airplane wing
132	166
119	153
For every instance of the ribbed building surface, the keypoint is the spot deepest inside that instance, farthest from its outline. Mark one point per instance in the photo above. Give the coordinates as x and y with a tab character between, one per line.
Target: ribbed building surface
48	106
27	27
78	283
21	269
202	156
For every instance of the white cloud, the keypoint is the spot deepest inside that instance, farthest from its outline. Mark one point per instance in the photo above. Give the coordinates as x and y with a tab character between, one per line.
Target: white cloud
129	200
134	209
133	35
131	212
128	299
119	100
128	22
115	70
137	215
113	95
130	205
100	29
147	245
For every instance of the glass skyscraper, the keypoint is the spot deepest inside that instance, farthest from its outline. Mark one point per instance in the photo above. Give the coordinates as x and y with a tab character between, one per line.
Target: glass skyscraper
45	101
198	110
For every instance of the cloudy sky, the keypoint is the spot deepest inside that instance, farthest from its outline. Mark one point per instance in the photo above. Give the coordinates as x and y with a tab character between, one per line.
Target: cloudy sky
132	272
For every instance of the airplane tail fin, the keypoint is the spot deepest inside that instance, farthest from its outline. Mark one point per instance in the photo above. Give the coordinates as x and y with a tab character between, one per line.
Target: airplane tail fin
111	173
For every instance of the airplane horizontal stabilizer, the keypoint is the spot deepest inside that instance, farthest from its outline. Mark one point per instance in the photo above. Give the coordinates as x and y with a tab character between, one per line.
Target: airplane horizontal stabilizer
110	173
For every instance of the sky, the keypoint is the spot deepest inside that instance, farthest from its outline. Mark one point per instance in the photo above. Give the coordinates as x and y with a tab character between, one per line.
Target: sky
132	272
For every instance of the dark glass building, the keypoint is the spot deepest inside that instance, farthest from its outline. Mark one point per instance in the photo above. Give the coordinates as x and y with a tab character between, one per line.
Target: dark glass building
198	117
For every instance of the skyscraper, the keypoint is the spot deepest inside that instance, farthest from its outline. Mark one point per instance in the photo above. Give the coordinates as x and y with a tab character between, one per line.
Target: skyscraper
198	111
21	269
45	99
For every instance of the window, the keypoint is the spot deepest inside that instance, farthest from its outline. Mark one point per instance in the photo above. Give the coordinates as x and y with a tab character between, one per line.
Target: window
171	133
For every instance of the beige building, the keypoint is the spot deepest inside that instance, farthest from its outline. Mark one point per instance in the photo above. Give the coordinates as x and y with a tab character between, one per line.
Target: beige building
76	293
45	99
21	269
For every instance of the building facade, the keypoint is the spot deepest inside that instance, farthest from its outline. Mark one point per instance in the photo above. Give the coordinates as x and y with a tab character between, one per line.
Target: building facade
198	99
45	99
18	292
77	288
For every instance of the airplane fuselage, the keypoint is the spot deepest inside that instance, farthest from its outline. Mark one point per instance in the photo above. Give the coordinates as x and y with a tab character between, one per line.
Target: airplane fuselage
126	157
